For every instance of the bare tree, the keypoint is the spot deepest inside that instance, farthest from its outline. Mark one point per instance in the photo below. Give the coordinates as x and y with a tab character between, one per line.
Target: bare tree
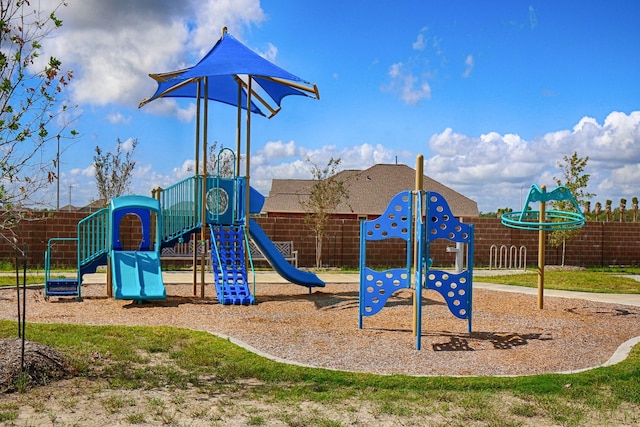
324	197
113	173
30	85
219	161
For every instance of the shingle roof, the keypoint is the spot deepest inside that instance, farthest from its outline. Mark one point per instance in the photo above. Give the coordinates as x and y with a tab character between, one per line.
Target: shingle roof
369	191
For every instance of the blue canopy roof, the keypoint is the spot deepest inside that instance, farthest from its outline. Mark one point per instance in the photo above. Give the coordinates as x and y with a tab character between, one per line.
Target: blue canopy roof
228	56
221	89
227	66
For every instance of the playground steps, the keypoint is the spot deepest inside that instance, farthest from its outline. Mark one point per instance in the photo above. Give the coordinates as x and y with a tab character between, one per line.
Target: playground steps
229	266
61	288
234	291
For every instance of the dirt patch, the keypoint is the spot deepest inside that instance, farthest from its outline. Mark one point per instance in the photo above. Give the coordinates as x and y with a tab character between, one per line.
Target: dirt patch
38	365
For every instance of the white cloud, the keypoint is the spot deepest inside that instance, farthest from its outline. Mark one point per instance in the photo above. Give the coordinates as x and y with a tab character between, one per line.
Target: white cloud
211	15
626	177
279	149
533	18
116	118
265	167
419	44
468	66
270	54
127	145
88	172
187	168
494	169
111	62
407	86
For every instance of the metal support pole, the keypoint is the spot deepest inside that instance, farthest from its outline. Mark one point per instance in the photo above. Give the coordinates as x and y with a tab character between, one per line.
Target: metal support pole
58	176
541	241
417	287
203	200
196	195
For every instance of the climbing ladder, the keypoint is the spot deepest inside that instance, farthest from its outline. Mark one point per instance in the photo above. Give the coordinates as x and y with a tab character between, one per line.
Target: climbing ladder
229	266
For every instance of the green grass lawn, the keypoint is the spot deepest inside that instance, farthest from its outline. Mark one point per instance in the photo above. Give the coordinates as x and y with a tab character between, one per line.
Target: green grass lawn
608	281
31	278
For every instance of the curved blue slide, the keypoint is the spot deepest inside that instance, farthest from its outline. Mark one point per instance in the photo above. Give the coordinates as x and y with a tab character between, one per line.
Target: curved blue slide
278	262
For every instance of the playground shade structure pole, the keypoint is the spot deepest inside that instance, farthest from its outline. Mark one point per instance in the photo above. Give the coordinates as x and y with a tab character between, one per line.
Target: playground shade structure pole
247	159
203	199
194	269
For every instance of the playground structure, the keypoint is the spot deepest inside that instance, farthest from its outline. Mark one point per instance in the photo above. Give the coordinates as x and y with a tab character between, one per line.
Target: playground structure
418	218
175	215
545	220
230	73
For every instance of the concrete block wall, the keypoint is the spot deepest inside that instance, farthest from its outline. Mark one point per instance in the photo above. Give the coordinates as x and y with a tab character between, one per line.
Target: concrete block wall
598	244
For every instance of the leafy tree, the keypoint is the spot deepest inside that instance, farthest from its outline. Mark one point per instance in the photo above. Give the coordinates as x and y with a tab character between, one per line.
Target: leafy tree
30	84
113	173
496	214
324	197
576	181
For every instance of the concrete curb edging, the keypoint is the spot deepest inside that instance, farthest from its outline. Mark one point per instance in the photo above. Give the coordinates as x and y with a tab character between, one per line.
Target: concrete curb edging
620	355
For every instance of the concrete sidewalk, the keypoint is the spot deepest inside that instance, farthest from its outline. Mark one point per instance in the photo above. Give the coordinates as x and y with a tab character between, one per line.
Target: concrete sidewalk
186	277
626	299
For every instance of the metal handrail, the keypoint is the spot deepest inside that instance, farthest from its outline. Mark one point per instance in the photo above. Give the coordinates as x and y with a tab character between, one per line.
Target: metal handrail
93	236
180	207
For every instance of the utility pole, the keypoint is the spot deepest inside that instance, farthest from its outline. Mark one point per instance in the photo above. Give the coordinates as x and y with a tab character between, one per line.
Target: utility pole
58	176
70	187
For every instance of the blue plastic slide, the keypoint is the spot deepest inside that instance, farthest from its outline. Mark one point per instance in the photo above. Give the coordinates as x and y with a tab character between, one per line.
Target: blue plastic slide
278	262
136	275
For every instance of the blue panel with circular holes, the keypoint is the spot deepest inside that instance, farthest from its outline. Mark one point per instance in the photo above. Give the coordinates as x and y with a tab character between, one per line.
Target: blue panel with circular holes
454	288
394	222
378	286
441	222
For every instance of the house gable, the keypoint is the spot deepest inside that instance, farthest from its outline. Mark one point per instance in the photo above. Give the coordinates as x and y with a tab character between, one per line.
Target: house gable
369	192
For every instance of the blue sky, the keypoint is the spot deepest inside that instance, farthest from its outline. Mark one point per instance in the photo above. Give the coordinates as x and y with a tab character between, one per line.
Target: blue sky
492	93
